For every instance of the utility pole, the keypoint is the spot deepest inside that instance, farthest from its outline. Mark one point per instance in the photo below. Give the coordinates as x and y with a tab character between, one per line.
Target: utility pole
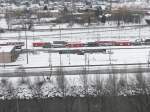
60	54
110	5
60	65
140	28
26	44
50	63
85	61
60	32
148	61
3	57
110	57
19	34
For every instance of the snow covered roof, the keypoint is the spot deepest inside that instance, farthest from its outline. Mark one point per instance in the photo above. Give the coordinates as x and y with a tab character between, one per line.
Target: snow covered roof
6	48
3	23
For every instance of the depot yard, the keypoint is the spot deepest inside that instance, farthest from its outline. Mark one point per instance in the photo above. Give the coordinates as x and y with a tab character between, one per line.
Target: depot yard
90	46
117	56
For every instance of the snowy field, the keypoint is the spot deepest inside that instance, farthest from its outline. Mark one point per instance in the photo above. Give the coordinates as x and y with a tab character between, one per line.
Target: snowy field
122	56
41	59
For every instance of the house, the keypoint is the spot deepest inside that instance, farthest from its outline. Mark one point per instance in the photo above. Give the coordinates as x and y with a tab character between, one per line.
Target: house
8	54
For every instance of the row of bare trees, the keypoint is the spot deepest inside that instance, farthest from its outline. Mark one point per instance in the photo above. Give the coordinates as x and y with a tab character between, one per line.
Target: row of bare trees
83	85
116	89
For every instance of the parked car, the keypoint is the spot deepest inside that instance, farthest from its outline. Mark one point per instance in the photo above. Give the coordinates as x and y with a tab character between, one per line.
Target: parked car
2	30
147	42
138	42
91	44
80	52
47	45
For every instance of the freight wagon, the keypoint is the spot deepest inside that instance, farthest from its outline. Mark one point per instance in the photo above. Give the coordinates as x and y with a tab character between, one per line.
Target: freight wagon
72	45
114	43
105	43
123	43
40	44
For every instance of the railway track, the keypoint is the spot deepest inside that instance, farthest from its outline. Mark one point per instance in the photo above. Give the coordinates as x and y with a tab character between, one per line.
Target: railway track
77	70
73	66
98	65
72	31
85	49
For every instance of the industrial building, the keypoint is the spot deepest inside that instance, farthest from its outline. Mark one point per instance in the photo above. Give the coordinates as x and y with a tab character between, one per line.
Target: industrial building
8	54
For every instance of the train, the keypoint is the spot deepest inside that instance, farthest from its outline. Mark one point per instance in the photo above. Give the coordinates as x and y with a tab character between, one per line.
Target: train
64	44
79	44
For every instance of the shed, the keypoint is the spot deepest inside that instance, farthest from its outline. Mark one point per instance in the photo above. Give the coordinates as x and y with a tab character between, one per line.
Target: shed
8	54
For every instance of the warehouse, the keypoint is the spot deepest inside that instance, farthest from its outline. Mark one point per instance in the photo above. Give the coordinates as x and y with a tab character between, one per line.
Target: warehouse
7	54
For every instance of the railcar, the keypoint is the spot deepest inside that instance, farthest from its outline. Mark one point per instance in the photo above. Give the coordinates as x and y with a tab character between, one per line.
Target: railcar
59	42
74	45
114	43
40	44
105	43
91	44
123	43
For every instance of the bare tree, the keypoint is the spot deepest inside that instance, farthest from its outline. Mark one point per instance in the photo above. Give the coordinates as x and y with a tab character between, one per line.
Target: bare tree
111	90
37	92
122	85
61	82
8	19
139	98
8	89
62	87
36	87
85	92
99	92
3	84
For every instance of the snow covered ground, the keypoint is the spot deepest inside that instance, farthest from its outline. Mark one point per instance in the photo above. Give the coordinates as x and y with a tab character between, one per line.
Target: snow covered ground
123	56
82	35
119	56
91	33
